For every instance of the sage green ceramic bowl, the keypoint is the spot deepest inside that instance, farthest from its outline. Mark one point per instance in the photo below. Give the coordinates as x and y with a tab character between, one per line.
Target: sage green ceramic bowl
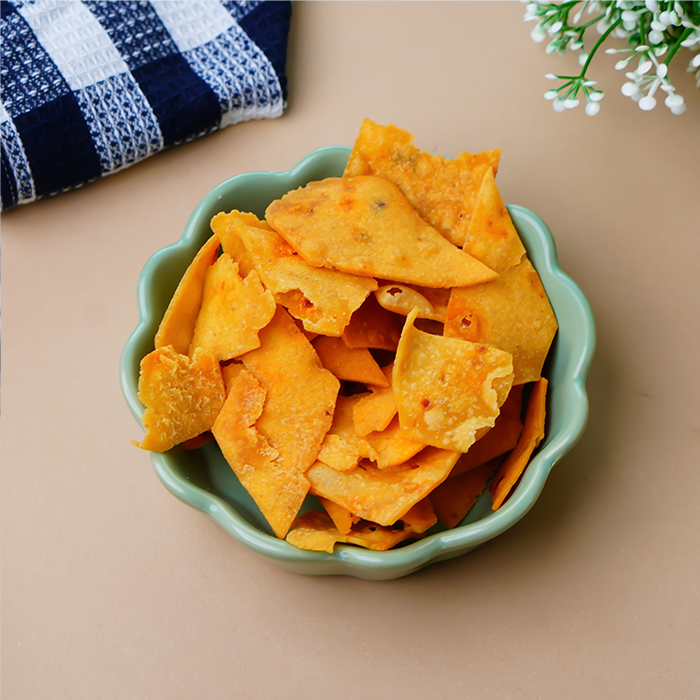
202	478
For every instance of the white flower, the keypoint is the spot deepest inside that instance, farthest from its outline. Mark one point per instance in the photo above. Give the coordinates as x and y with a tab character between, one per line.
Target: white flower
537	35
558	105
662	70
571	103
644	67
652	5
582	58
592	108
655	36
551	95
629	89
647	102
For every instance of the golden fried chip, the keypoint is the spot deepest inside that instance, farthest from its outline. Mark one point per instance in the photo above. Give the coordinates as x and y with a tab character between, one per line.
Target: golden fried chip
350	364
229	371
177	326
454	498
491	236
373	412
277	487
301	394
533	431
421	517
233	311
442	191
402	299
182	396
383	495
315	531
512	313
322	299
390	446
365	226
372	326
502	438
446	388
342	518
342	448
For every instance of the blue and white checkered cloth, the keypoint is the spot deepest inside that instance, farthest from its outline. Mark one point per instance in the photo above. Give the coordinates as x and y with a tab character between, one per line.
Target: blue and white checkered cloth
91	87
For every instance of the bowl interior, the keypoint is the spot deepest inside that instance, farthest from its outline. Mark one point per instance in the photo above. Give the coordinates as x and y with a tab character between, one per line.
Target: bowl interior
203	479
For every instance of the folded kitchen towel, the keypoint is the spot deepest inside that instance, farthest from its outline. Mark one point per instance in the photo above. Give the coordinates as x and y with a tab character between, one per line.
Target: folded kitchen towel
91	87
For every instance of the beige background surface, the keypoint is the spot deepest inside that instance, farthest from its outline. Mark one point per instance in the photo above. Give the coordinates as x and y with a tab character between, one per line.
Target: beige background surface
113	589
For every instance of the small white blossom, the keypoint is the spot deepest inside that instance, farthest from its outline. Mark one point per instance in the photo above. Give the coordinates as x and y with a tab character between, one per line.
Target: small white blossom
558	105
592	108
537	35
655	36
662	70
647	103
551	95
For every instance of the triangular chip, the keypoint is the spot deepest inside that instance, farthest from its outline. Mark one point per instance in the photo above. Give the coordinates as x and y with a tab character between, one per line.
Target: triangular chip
342	518
177	326
383	495
491	236
502	438
342	448
454	498
390	446
374	412
315	531
349	364
402	299
233	311
446	388
277	488
442	191
182	396
366	226
512	313
533	431
372	326
421	517
301	394
322	299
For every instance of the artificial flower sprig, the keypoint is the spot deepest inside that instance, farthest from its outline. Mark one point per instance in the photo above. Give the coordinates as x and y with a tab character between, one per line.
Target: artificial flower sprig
655	31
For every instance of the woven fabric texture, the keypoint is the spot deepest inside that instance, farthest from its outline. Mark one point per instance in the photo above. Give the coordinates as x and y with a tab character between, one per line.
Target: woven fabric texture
89	88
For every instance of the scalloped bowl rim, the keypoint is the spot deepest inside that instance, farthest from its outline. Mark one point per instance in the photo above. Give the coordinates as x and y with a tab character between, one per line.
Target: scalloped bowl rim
347	559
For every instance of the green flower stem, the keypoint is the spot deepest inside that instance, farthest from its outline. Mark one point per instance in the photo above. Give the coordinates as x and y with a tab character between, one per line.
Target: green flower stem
603	37
674	49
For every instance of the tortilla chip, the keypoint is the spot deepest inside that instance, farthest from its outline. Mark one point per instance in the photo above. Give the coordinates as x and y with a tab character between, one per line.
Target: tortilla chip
196	442
491	236
177	326
446	388
512	313
229	371
383	495
350	364
402	299
182	396
372	326
442	191
277	488
365	226
233	311
373	412
342	518
502	438
315	531
390	446
324	300
454	498
421	517
533	431
301	394
342	448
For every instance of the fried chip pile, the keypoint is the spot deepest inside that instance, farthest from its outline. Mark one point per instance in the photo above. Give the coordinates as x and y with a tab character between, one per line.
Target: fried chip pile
368	357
